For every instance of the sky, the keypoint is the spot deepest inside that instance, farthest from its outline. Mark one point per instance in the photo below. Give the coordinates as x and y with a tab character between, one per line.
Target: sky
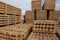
26	4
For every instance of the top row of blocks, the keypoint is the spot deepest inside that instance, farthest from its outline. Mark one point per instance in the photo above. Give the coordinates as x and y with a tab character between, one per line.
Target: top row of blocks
8	9
48	5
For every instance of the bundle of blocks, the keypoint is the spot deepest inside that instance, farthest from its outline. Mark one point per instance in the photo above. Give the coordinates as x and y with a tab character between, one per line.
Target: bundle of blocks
8	14
45	19
45	12
40	23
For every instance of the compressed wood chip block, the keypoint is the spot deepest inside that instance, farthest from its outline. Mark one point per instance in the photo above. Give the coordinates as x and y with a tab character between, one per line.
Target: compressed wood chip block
36	5
41	14
29	15
54	15
29	21
49	5
45	26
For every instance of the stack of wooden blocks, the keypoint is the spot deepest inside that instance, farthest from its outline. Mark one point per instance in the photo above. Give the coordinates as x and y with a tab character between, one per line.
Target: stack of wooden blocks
50	7
9	14
38	12
15	32
45	26
37	8
41	12
44	30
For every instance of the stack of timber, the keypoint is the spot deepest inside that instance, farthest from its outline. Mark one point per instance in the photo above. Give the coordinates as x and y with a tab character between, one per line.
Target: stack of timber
45	26
9	14
15	32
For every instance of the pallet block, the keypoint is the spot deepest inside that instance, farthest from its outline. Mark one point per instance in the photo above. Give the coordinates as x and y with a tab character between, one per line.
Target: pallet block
41	14
36	5
54	15
45	26
49	5
29	15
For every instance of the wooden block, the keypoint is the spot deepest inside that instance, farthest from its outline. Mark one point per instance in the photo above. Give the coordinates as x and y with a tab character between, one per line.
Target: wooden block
49	5
36	5
41	14
29	15
54	15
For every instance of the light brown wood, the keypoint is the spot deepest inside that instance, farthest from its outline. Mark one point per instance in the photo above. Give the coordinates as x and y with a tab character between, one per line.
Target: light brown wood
49	5
36	5
45	26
